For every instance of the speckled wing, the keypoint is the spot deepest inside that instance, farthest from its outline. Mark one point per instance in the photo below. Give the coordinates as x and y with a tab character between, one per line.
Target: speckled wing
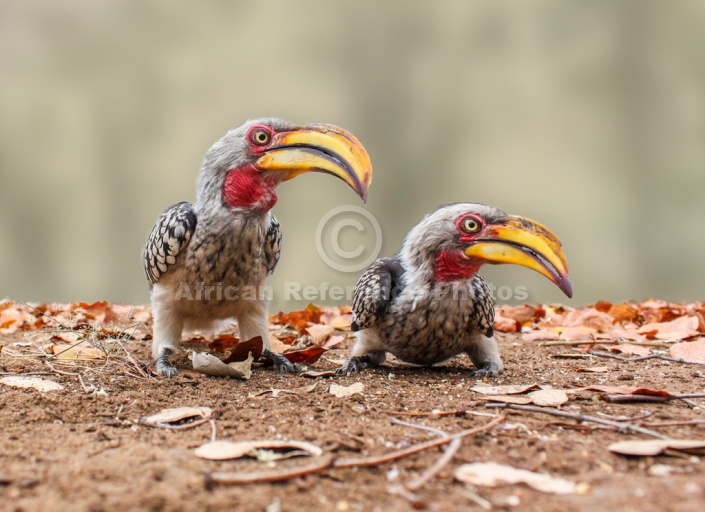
374	292
482	318
170	234
272	244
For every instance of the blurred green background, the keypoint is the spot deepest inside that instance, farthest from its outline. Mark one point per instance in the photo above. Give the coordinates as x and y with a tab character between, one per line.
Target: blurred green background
587	116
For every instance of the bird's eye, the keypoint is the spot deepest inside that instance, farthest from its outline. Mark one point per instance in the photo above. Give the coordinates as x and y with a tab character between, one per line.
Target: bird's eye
261	137
471	225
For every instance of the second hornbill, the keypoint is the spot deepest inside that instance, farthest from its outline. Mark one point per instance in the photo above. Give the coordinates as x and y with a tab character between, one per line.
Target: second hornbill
207	261
428	303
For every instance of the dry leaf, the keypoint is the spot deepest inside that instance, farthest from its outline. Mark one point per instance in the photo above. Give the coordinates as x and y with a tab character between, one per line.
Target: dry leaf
18	381
319	333
548	397
618	334
208	364
507	399
689	351
176	415
224	450
83	351
540	335
243	350
651	447
628	348
594	369
504	324
333	341
315	375
491	474
578	333
504	390
682	328
590	318
345	391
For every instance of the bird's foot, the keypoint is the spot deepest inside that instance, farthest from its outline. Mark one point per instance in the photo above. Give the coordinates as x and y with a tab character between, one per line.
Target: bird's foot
354	364
281	363
488	369
164	367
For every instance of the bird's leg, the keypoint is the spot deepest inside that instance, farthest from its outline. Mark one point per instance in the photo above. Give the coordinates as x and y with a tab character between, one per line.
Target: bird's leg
168	325
254	323
484	354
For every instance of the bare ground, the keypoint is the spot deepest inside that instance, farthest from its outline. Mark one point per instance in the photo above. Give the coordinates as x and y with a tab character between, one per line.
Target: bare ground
74	450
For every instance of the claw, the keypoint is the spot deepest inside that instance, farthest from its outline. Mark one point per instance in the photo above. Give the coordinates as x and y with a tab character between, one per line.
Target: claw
353	364
488	369
164	367
281	363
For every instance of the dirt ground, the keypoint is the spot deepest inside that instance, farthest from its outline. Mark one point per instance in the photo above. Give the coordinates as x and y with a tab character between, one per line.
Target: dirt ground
78	450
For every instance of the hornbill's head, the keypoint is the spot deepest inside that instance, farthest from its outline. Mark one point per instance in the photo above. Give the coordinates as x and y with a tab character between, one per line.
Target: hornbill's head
453	242
243	169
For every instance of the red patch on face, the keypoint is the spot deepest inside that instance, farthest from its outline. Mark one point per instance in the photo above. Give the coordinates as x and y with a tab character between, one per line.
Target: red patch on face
454	266
245	187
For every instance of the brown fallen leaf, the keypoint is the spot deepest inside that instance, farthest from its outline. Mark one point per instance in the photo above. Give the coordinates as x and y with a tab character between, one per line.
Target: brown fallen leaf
176	415
540	335
628	348
618	334
652	447
492	474
333	341
624	390
316	375
18	381
525	314
299	319
345	391
624	312
306	356
243	349
225	450
683	328
504	324
507	399
578	333
319	333
548	397
208	364
83	351
689	351
594	369
589	318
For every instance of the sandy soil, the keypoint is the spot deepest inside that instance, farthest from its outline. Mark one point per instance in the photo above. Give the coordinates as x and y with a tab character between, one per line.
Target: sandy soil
75	450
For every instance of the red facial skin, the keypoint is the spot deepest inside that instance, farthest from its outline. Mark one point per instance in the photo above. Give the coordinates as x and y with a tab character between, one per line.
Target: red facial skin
247	187
452	264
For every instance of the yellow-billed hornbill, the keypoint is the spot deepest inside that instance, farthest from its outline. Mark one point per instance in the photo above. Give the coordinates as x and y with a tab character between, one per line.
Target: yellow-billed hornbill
207	261
428	303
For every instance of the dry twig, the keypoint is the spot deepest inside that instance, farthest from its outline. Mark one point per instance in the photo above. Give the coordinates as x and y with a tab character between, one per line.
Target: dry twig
621	426
642	358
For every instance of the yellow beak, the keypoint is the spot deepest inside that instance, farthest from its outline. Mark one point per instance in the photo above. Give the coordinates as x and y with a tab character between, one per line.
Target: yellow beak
320	148
524	242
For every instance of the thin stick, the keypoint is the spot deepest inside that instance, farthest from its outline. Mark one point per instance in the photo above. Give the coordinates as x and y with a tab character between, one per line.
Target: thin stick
213	431
617	398
330	462
647	414
562	343
400	454
442	461
672	423
70	374
436	431
619	425
219	477
457	412
643	358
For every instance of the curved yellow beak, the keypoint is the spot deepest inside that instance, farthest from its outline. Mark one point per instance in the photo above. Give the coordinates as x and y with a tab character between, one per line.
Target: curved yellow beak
524	242
320	148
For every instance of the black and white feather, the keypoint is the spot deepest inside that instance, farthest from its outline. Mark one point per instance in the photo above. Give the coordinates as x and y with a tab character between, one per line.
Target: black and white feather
272	244
169	236
374	291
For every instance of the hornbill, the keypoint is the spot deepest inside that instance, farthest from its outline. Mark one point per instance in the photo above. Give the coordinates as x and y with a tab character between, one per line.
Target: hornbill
207	261
428	303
